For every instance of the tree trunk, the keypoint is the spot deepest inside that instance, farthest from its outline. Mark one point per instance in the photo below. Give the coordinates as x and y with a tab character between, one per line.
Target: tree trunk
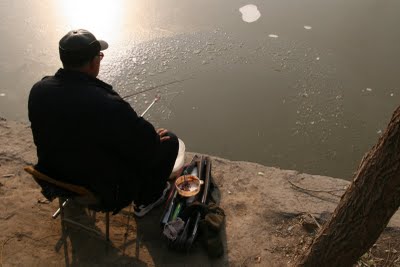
365	208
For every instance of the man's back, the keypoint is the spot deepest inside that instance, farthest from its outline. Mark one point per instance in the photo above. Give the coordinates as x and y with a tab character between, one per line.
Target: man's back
86	134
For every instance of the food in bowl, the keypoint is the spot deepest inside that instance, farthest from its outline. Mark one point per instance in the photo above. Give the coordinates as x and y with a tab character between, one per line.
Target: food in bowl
188	185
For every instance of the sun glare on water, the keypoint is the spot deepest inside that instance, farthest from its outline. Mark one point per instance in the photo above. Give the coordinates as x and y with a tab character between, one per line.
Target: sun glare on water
101	17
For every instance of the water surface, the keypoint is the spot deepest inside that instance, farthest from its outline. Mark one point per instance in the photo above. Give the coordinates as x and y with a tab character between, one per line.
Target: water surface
306	85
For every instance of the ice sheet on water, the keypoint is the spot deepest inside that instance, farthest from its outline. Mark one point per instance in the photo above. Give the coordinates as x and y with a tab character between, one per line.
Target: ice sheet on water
250	13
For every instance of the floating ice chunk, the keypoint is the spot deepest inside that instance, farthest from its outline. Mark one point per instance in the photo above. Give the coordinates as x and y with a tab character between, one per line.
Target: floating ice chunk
2	94
307	27
317	58
250	13
273	36
391	94
368	90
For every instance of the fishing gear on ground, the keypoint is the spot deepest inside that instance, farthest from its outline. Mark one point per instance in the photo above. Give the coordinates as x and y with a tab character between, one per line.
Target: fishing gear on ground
191	211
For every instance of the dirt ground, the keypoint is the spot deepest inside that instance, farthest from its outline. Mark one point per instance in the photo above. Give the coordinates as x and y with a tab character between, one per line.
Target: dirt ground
271	217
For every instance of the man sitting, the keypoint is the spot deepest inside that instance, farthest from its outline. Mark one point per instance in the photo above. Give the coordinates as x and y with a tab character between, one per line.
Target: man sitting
87	135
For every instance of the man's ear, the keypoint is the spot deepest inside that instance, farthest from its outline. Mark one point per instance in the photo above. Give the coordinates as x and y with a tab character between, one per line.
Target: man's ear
92	63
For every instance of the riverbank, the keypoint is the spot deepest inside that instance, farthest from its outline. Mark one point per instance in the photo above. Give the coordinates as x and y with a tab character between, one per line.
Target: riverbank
272	215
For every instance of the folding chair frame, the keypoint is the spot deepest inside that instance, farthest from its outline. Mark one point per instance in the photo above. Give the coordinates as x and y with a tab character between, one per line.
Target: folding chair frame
60	211
81	192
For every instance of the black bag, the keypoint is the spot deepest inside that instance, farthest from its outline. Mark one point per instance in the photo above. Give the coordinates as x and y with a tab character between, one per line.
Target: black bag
185	219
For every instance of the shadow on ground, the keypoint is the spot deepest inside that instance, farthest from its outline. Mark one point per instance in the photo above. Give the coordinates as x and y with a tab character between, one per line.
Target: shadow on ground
139	243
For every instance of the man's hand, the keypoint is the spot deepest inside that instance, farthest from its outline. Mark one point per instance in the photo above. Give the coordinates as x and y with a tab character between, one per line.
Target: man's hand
162	132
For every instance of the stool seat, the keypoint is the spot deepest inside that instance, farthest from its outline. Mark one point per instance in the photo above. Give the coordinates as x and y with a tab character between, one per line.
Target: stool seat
52	188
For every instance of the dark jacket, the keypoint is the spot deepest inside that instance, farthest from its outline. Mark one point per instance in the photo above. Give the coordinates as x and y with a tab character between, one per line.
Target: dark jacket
86	134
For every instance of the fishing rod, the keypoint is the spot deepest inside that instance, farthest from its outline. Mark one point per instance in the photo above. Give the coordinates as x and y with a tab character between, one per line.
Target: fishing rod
155	87
158	97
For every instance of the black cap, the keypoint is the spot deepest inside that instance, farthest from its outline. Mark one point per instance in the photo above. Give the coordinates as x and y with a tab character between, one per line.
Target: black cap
79	46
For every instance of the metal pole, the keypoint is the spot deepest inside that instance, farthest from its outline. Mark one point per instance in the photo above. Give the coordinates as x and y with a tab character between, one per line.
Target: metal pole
55	215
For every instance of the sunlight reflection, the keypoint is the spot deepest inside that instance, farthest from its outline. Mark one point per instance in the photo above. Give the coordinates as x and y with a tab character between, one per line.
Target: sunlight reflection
101	17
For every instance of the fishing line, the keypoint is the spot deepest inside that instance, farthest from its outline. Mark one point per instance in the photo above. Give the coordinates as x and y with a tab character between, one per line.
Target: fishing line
155	87
157	98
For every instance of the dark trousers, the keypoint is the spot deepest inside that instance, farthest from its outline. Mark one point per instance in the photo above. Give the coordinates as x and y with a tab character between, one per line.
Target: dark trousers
161	170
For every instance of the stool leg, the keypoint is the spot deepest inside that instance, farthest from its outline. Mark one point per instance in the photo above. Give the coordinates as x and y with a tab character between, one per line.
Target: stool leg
63	230
62	214
107	226
107	231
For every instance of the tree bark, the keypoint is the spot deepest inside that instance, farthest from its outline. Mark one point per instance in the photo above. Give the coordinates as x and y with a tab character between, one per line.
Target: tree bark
365	208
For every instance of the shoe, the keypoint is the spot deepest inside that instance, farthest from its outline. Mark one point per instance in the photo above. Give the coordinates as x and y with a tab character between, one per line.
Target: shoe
143	210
